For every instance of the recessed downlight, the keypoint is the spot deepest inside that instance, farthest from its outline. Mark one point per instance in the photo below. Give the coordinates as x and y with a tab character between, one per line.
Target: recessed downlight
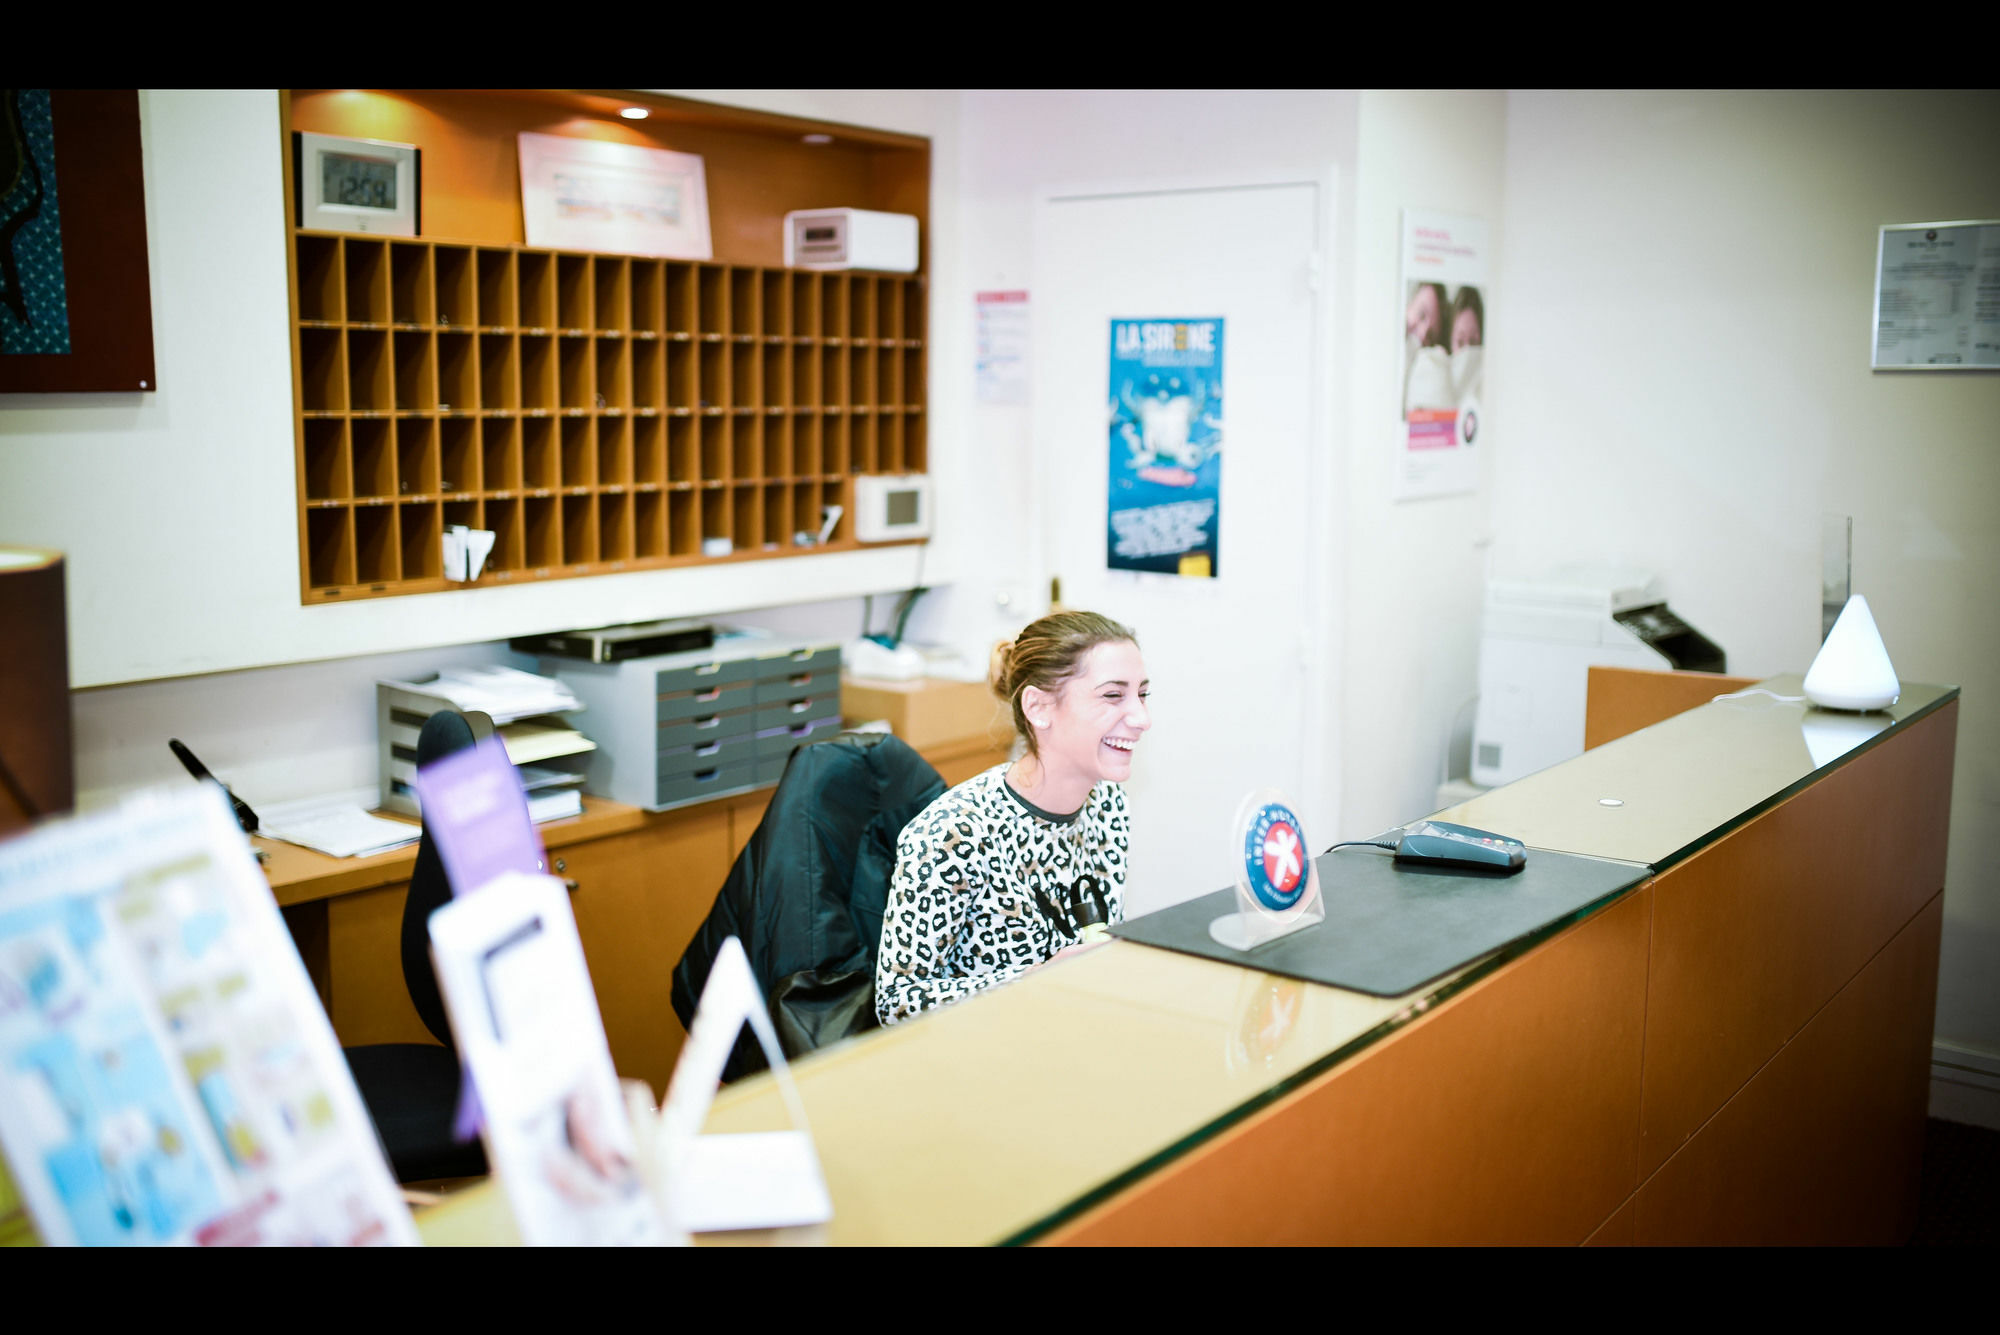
815	138
634	113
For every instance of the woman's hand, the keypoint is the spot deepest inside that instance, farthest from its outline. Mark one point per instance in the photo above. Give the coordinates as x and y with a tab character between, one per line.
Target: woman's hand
1080	948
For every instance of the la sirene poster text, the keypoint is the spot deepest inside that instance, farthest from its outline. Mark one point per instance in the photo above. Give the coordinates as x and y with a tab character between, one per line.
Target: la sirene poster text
1166	446
1444	353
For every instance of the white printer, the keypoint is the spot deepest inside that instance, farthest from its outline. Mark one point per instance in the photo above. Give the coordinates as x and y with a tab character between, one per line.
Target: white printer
1540	638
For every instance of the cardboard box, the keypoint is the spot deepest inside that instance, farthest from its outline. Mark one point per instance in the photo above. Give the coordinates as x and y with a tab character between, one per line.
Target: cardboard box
928	711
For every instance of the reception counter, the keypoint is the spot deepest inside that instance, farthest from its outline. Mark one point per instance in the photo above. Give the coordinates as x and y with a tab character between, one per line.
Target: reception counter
1733	1050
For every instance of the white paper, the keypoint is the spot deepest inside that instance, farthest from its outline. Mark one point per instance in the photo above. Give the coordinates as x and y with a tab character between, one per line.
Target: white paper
764	1179
336	824
556	804
465	551
1001	347
504	693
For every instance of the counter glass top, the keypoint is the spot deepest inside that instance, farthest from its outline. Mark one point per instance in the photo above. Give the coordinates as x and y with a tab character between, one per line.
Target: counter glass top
1664	793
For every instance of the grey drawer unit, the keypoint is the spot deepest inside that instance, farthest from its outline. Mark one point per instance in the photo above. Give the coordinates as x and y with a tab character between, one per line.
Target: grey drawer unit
703	675
708	755
703	785
674	729
783	741
717	698
789	713
816	674
704	728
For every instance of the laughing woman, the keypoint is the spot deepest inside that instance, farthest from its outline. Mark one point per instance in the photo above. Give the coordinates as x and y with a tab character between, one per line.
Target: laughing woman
1027	860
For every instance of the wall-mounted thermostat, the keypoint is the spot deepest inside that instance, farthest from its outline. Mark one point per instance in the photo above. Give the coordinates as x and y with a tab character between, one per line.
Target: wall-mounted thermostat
851	239
891	507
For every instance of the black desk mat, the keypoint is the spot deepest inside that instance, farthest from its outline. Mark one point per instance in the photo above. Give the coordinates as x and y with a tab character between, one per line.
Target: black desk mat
1392	928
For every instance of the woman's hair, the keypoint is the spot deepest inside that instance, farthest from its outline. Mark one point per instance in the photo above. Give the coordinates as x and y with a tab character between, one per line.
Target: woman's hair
1467	300
1440	331
1046	654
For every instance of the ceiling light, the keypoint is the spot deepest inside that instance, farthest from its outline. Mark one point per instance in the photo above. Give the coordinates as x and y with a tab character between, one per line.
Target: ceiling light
634	113
816	138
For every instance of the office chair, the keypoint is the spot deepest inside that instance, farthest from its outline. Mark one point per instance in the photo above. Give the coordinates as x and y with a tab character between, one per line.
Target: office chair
807	892
411	1089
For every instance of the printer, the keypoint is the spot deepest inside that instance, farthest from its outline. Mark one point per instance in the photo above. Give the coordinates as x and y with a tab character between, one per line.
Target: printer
1540	637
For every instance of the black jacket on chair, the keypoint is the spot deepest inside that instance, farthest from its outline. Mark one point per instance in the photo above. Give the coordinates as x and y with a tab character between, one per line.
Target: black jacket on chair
806	894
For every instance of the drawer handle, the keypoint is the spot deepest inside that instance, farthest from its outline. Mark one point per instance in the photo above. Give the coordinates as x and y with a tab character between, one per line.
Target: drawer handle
802	655
709	721
708	669
799	706
712	693
569	884
705	775
801	730
708	750
802	679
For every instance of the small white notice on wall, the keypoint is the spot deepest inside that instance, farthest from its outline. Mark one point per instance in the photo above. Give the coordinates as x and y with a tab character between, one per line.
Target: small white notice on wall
1001	347
1937	296
1444	354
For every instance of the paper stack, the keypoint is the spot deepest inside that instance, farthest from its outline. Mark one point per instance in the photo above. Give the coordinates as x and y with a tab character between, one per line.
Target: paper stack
525	709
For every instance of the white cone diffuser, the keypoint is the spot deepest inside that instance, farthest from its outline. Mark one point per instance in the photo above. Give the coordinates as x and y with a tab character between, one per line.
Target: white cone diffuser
1853	670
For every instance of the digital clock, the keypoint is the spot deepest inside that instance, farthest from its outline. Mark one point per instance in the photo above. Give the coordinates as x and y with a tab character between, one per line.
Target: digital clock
356	185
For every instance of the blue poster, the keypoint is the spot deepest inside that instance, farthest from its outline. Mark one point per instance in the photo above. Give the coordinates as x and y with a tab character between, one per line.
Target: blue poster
1166	446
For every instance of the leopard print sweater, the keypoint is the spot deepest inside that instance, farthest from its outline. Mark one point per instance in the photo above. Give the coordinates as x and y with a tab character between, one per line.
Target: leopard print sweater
965	908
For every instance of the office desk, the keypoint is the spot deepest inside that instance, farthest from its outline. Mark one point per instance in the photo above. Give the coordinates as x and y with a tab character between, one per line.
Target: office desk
643	881
1734	1051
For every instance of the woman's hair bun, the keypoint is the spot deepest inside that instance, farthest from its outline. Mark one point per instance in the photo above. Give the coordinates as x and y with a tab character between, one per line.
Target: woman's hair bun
1000	670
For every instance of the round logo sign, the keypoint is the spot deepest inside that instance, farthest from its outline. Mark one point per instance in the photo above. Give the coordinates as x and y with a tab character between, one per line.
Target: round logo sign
1275	864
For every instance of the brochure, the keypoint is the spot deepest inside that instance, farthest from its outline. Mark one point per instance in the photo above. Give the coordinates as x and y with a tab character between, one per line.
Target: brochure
167	1074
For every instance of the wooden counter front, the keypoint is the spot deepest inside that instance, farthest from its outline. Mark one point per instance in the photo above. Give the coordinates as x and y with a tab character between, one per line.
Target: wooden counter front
1734	1051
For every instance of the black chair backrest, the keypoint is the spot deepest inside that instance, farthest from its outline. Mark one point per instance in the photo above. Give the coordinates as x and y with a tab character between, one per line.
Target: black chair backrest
430	889
805	896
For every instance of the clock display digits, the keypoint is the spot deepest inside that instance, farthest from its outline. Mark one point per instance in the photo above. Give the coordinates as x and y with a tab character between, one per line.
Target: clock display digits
347	178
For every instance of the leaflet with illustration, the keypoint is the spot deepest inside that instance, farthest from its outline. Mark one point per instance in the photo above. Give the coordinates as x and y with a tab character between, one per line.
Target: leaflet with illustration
167	1074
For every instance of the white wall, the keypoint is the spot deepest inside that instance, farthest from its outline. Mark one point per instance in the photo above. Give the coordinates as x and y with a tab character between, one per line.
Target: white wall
1687	281
1018	144
1415	569
178	508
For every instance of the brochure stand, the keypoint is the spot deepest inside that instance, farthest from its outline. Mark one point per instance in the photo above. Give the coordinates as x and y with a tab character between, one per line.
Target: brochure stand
766	1179
1277	885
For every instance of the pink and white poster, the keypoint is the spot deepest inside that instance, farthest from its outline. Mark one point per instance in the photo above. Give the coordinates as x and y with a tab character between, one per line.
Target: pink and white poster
1444	351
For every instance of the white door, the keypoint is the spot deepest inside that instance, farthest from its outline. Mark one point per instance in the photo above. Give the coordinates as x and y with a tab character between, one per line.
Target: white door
1235	702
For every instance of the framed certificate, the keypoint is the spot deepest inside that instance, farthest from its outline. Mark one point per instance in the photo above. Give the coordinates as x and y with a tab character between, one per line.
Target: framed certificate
356	185
620	199
1933	305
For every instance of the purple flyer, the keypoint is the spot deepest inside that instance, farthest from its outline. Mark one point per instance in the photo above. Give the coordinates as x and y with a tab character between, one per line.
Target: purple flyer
477	814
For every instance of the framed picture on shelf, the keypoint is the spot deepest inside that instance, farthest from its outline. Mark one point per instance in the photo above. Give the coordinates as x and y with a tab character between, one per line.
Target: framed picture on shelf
357	185
588	194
